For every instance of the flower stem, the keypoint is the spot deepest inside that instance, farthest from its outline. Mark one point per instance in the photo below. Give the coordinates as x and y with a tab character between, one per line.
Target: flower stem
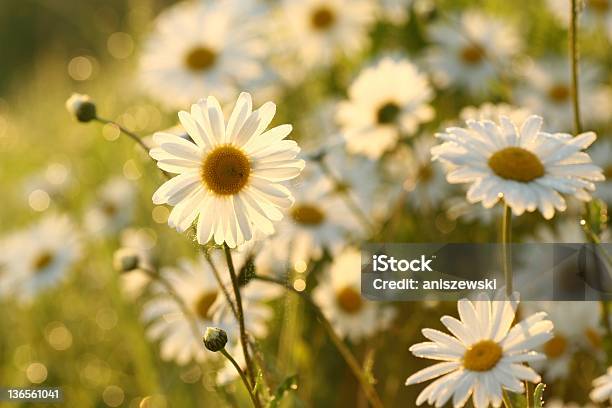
506	252
243	335
132	136
351	361
213	267
242	376
573	46
506	399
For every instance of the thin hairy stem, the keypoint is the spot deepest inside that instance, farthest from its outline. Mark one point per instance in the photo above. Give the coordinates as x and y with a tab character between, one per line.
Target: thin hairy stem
351	361
244	340
212	265
506	399
245	381
506	232
574	59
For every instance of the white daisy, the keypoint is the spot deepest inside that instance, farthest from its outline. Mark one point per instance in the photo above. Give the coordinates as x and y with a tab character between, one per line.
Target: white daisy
320	30
200	48
195	285
385	102
112	209
601	153
577	327
414	172
40	257
231	176
483	357
547	92
602	388
526	166
593	16
142	242
471	51
339	297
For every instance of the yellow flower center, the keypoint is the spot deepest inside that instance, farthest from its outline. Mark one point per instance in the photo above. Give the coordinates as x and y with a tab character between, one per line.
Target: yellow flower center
600	6
110	209
226	170
472	54
516	163
322	18
349	300
607	171
43	260
203	304
307	214
559	93
387	113
200	59
482	356
594	337
555	347
425	173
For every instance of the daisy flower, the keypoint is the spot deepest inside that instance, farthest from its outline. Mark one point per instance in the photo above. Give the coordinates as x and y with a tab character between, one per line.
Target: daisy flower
112	209
195	285
602	388
415	173
483	356
601	153
471	51
385	102
320	30
577	327
40	256
231	176
546	91
525	166
199	48
339	297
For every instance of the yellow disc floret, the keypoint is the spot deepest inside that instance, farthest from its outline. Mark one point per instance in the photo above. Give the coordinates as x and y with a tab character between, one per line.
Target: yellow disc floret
516	163
226	170
482	356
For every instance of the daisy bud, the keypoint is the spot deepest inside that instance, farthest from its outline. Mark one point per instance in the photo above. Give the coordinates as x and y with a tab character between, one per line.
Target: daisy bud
125	260
82	107
215	339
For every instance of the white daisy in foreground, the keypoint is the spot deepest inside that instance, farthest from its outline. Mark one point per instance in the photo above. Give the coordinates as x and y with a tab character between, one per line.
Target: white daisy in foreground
386	101
602	388
577	327
112	208
320	30
194	283
483	357
547	92
231	177
471	51
200	48
40	256
339	297
526	166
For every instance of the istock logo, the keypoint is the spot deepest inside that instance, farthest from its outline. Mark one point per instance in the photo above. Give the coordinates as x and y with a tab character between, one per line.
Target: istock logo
386	263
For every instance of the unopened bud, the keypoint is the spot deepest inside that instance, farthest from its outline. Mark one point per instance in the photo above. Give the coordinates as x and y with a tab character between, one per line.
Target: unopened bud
215	339
125	260
82	107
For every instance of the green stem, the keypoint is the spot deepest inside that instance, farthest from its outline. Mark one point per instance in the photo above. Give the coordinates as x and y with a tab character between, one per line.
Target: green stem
213	267
244	340
506	399
351	361
506	251
573	46
242	377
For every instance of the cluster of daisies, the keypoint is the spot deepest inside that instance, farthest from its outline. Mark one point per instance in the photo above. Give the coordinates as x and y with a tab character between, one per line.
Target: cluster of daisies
369	156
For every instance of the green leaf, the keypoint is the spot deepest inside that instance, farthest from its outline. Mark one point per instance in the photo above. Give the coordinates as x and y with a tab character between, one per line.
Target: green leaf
288	384
538	400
